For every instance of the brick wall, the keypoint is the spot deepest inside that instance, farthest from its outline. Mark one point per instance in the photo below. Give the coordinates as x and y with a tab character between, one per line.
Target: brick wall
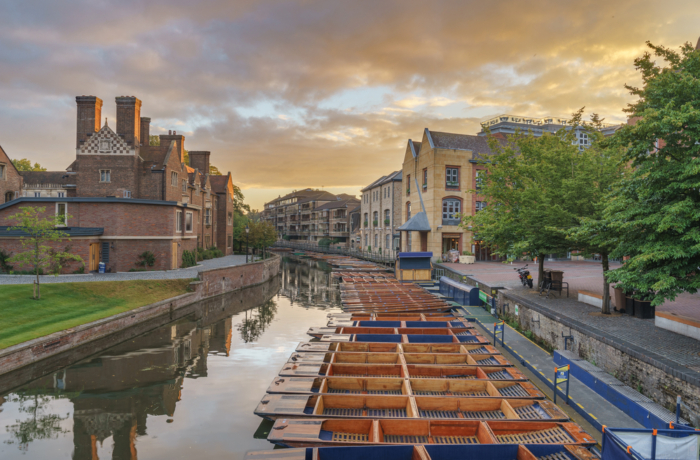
123	175
11	180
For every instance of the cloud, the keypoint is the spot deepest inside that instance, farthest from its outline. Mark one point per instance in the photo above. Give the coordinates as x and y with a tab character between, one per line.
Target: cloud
199	66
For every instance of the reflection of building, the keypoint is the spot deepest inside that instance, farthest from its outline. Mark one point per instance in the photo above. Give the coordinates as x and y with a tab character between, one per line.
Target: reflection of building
304	283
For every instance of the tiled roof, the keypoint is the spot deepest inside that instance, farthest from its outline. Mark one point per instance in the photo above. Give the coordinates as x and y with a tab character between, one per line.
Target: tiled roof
338	204
218	183
47	177
460	142
384	180
316	195
71	231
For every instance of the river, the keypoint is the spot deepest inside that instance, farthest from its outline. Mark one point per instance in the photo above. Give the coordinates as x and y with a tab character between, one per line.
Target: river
186	389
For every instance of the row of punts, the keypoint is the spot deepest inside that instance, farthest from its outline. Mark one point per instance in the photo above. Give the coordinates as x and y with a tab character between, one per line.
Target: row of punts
403	375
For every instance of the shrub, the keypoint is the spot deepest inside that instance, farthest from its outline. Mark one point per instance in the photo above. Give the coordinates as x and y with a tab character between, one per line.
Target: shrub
188	259
147	258
467	253
324	242
80	270
387	221
5	267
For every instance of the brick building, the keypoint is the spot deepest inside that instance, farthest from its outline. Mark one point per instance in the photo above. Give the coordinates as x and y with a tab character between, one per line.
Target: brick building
10	179
123	196
381	213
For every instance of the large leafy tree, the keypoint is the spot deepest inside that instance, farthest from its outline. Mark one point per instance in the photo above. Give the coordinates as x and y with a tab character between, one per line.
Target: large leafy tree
528	204
42	233
656	209
26	165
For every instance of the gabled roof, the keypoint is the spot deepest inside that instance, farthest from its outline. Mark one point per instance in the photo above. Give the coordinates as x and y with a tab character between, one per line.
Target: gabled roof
9	159
317	195
338	204
117	144
394	176
46	177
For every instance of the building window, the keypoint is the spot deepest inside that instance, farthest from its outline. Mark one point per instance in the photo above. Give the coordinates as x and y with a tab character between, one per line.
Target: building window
207	216
61	214
188	222
450	210
387	243
230	241
173	179
388	192
376	241
375	222
105	175
479	181
2	171
408	210
480	206
387	218
184	186
37	194
366	239
178	221
408	184
582	141
127	193
425	179
61	194
366	219
230	218
207	241
451	177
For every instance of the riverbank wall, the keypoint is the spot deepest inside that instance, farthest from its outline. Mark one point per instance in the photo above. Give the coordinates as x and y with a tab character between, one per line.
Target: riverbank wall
210	286
656	377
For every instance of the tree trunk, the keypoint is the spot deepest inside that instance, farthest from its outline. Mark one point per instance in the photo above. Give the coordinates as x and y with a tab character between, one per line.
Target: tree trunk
540	269
606	285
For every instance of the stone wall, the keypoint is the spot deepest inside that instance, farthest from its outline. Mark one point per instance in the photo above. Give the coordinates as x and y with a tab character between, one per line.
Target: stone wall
212	283
660	381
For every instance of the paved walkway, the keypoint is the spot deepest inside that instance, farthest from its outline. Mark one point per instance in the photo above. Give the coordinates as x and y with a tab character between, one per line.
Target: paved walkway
182	273
581	276
524	354
672	352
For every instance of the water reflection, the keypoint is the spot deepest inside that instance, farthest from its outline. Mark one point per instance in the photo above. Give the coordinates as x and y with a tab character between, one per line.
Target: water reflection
211	367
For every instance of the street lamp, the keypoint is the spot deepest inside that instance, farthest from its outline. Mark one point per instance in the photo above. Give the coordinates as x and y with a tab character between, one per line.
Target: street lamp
247	230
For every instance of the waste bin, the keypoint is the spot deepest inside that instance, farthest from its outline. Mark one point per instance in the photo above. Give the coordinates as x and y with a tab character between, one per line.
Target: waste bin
102	267
643	309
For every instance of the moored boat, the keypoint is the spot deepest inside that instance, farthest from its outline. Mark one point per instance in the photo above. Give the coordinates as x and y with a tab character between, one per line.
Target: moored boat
357	432
474	359
418	371
383	347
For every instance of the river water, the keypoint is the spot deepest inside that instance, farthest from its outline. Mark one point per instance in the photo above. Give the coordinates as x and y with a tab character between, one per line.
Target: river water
186	389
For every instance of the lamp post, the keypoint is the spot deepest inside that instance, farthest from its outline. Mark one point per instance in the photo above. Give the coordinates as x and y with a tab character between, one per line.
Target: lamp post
247	230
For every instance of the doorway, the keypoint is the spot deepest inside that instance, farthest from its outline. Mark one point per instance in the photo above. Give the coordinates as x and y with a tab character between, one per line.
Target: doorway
94	257
173	263
449	243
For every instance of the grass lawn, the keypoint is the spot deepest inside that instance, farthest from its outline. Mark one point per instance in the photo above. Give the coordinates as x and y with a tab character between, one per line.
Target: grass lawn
67	305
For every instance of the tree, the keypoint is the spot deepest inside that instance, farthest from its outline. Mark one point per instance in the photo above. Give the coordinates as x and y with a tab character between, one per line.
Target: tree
238	200
524	187
656	208
26	165
42	232
214	171
598	169
262	234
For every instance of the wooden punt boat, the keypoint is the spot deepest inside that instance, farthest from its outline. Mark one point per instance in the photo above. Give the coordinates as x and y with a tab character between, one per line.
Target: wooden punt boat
475	359
409	387
358	432
385	327
430	452
417	371
384	347
430	321
275	406
432	336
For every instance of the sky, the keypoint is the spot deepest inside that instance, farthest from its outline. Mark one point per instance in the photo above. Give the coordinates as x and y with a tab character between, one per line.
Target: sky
323	94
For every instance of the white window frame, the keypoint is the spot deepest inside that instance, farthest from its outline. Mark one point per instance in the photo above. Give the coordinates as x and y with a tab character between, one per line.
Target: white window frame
37	194
178	221
65	214
184	186
106	173
207	216
173	179
127	193
450	208
61	194
189	216
3	171
230	218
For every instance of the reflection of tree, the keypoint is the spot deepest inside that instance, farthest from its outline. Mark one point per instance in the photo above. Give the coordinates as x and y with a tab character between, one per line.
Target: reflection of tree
256	321
40	425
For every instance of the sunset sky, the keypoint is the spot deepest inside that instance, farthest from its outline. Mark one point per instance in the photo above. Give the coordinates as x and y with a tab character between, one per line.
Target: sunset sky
295	94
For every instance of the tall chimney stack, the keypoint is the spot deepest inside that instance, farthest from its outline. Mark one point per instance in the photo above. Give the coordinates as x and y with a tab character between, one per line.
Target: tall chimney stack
199	160
145	130
129	119
89	117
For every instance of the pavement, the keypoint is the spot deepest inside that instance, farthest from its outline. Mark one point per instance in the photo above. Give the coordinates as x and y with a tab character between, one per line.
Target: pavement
586	407
581	276
181	273
674	353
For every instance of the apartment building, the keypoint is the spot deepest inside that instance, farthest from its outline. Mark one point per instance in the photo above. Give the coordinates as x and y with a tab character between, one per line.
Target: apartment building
380	212
311	215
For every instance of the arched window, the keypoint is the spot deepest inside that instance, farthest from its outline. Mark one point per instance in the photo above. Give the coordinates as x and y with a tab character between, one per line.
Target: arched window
376	219
451	207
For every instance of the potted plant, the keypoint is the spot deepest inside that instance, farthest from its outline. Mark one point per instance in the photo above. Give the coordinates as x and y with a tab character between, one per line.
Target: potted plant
387	221
467	258
452	183
375	223
366	224
642	306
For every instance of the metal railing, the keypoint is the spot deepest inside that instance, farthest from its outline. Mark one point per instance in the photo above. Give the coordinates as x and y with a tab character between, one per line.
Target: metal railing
387	258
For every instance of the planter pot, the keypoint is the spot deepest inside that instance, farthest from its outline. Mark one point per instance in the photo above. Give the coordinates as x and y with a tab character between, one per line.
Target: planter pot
643	309
467	259
619	298
629	306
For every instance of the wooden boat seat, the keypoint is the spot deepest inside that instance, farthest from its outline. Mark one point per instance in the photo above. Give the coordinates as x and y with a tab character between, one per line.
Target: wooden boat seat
438	414
488	361
405	439
499	375
345	437
455	440
485	414
514	391
556	435
533	412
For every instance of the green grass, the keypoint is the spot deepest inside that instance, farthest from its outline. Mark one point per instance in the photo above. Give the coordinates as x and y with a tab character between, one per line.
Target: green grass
66	305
